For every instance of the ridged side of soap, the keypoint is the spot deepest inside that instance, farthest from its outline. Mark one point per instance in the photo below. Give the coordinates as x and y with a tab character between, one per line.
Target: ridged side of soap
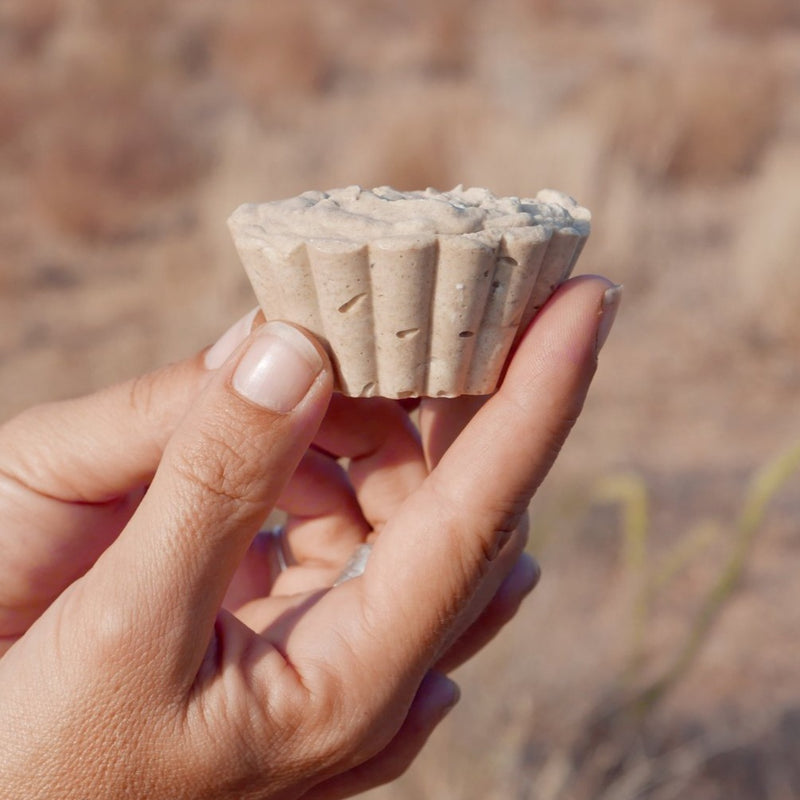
341	279
403	283
464	276
518	263
413	316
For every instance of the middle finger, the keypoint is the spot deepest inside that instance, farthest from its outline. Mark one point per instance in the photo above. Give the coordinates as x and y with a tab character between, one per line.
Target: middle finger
386	459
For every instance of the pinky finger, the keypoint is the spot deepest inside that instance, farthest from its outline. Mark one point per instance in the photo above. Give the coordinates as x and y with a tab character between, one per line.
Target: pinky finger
435	697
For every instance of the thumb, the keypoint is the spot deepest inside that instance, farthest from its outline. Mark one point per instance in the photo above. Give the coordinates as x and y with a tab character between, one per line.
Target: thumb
222	471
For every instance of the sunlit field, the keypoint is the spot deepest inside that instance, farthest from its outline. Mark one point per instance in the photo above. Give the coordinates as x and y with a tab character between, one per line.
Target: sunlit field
659	656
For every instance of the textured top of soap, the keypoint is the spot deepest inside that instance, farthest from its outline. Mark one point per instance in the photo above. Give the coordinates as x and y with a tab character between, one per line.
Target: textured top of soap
356	215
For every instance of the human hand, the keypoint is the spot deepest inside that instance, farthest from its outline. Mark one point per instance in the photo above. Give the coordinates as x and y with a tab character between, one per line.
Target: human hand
135	669
73	473
65	495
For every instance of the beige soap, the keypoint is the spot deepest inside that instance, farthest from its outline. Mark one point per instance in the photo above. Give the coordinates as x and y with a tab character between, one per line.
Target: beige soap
414	293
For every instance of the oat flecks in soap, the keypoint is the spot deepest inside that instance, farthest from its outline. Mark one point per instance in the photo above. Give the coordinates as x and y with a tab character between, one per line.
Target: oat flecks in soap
413	293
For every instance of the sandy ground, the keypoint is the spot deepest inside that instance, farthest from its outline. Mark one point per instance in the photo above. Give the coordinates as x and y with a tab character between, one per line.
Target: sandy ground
678	123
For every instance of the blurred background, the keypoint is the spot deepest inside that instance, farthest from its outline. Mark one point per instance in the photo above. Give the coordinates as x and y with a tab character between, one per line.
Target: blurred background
659	656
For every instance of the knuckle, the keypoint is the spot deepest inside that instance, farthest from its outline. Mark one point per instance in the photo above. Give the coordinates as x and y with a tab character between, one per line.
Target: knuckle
504	521
218	463
141	394
150	398
561	426
346	723
155	400
561	417
450	516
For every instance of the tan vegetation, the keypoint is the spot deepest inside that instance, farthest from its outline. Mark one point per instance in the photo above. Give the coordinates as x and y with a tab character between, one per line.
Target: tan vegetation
129	129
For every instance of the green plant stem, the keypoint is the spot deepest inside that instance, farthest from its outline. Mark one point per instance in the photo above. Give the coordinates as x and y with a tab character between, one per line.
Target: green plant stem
766	484
630	491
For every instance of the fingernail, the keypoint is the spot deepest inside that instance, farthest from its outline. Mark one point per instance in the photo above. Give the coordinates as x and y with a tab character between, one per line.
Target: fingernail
451	702
278	368
441	694
608	311
218	353
523	578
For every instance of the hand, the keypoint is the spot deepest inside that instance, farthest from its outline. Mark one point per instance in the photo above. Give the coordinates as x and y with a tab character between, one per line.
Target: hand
70	494
127	678
65	494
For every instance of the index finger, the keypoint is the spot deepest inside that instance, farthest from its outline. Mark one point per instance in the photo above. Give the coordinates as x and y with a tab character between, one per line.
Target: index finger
434	552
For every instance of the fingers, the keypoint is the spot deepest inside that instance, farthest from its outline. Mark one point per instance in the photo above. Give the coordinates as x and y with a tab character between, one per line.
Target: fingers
330	510
40	450
441	419
435	698
472	620
385	453
501	609
324	526
434	553
73	473
325	521
221	472
61	450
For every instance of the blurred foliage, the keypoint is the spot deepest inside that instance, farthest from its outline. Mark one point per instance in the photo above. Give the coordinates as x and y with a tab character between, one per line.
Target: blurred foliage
631	493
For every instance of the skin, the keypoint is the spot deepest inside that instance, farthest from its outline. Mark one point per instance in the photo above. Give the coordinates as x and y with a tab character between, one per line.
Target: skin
150	648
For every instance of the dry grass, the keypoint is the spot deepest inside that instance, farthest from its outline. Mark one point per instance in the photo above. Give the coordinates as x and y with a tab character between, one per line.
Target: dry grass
101	173
25	27
15	111
755	19
766	262
114	143
273	54
704	118
129	129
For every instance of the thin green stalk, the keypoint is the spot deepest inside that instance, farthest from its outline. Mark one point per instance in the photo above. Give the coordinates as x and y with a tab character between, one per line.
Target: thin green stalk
766	484
630	491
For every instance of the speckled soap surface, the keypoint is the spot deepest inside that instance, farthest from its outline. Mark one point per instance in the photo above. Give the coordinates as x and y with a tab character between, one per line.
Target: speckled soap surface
413	293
